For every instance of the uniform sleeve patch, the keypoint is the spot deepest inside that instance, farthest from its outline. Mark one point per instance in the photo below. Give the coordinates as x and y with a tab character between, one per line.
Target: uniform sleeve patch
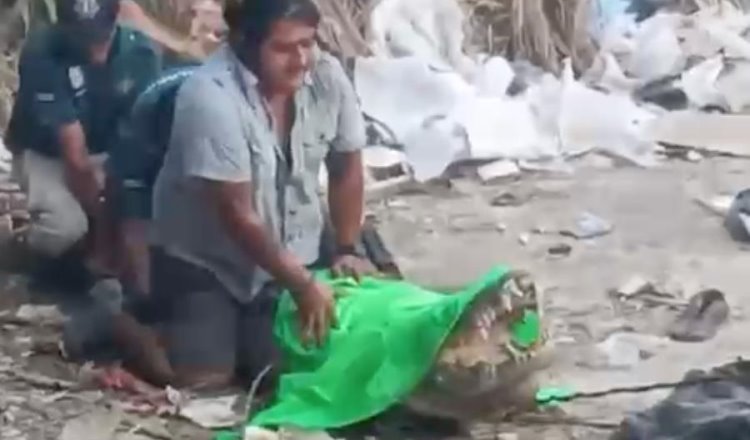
45	97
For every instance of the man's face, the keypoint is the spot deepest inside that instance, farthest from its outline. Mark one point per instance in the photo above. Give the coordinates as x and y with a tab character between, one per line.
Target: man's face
99	52
93	50
287	55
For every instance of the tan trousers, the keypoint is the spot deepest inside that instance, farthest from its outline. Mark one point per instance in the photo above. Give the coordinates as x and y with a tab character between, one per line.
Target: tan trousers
57	220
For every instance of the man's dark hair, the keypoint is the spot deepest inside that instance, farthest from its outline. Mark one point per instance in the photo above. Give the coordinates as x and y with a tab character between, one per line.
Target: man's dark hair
250	20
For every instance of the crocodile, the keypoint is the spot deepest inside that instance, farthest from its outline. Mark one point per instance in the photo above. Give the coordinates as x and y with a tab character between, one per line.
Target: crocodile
482	372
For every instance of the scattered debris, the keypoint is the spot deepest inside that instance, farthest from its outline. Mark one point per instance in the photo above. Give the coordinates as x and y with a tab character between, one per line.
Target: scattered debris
151	427
667	292
693	156
40	315
718	204
524	238
255	433
635	285
99	424
588	226
622	351
737	217
498	170
212	413
718	134
560	250
384	163
40	381
508	198
700	321
288	433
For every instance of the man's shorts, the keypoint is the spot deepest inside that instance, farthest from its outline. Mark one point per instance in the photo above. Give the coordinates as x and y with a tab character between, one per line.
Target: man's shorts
204	327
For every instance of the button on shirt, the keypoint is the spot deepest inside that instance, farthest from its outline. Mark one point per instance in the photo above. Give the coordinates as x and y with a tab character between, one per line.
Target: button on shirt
222	132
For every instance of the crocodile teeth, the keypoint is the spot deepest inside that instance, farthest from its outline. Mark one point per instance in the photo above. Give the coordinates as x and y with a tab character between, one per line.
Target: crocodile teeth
512	351
515	287
487	319
493	315
489	371
484	334
507	303
478	322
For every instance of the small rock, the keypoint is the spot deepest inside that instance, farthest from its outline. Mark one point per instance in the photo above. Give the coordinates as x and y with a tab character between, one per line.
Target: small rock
560	250
46	315
498	170
255	433
599	161
524	238
296	434
693	156
622	351
501	227
588	226
635	285
508	199
211	413
384	163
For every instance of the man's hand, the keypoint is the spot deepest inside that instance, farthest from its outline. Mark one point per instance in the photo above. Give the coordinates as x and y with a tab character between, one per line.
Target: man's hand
351	266
315	305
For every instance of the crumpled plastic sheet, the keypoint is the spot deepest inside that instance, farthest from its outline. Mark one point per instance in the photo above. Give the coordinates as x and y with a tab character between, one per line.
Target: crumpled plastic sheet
715	410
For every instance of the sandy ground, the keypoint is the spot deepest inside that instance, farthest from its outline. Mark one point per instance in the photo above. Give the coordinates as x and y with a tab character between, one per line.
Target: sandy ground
449	236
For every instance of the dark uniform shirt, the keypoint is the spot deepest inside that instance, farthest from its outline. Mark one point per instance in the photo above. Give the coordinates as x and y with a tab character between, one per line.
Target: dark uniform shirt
138	155
57	87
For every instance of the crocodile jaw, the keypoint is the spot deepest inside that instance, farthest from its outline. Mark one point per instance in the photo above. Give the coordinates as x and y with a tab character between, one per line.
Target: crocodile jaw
481	372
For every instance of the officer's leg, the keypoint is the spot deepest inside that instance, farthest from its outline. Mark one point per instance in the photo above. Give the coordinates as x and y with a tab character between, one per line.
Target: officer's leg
57	220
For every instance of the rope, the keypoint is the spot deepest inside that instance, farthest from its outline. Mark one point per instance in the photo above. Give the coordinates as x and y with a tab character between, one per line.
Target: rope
638	389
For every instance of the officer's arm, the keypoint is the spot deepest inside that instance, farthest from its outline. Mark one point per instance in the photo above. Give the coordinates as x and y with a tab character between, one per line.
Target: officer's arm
344	163
80	172
52	105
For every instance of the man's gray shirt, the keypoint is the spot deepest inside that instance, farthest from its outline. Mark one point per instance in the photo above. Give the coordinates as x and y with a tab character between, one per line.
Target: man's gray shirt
222	133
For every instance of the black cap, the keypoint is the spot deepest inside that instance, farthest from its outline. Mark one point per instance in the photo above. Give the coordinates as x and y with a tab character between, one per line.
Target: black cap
92	21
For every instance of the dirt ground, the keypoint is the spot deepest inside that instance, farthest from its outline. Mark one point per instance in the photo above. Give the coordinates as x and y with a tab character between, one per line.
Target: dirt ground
449	236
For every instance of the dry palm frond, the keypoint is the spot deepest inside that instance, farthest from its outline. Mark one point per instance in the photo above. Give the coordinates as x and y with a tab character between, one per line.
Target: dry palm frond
345	25
541	31
187	28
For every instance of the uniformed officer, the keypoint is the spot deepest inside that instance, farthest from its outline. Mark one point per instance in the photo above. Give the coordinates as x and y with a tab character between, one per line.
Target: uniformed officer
78	80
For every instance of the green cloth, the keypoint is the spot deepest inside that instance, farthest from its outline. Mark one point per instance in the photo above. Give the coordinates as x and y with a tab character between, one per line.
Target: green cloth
552	396
388	335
